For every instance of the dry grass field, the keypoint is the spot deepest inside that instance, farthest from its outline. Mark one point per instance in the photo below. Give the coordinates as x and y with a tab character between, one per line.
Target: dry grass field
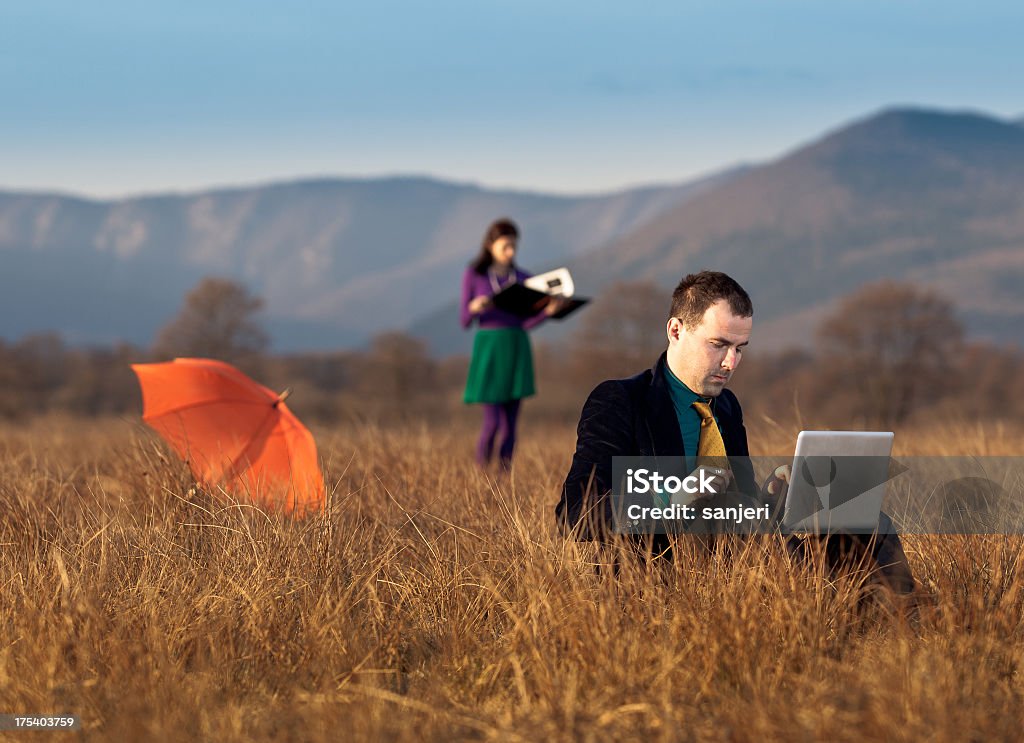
435	602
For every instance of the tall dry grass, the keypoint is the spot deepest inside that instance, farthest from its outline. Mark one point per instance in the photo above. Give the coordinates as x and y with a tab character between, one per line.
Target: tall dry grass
433	601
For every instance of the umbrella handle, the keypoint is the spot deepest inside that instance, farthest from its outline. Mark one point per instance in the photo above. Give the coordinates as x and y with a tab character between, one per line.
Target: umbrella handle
283	396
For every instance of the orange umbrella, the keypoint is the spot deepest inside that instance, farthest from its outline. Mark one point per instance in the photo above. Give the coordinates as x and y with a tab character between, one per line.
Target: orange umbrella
233	431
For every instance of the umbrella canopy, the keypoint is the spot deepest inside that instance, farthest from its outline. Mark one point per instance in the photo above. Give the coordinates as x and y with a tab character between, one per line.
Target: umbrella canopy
233	431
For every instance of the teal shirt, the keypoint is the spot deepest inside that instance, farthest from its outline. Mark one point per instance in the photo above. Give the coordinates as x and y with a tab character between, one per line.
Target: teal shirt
689	419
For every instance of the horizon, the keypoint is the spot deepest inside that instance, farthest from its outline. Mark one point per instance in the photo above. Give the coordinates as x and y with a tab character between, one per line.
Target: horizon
303	178
311	307
295	179
118	101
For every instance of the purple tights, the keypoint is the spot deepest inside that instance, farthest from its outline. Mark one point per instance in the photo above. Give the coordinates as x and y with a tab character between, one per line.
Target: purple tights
498	415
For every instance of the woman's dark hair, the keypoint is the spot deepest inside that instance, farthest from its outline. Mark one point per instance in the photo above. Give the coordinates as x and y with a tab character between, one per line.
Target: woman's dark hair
503	227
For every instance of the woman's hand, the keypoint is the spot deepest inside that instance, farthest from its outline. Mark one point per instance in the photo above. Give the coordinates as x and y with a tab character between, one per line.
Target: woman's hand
555	304
479	304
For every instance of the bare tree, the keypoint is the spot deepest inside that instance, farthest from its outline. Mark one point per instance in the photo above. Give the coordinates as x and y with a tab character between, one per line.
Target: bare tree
890	346
622	332
31	370
396	376
217	320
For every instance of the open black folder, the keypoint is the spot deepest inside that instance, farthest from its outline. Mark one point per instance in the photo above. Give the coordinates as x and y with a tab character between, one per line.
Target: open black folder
523	301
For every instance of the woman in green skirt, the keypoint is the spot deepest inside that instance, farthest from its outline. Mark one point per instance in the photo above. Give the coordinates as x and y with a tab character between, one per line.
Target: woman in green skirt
501	368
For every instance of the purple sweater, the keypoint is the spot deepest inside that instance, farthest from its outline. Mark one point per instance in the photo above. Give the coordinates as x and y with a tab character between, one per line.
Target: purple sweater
475	285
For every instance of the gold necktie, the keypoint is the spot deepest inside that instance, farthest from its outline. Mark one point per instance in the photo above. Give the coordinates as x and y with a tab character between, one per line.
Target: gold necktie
710	447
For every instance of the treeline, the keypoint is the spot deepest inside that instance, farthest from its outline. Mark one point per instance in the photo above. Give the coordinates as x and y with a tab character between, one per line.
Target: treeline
891	353
393	380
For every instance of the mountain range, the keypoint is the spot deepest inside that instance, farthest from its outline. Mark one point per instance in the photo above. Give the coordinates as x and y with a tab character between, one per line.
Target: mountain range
922	196
336	260
928	196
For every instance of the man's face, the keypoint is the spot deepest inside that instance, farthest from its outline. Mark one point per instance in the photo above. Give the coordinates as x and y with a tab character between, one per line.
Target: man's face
705	357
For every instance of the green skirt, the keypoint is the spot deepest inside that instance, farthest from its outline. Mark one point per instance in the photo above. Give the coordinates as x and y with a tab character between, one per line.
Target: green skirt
501	368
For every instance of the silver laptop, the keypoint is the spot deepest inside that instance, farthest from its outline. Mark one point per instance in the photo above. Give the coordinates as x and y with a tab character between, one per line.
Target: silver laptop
838	481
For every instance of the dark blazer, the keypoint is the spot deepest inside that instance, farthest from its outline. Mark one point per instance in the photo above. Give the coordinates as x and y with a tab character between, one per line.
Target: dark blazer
635	417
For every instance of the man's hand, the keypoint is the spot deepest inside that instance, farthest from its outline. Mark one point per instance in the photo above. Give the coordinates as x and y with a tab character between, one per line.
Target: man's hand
715	479
718	478
479	304
777	485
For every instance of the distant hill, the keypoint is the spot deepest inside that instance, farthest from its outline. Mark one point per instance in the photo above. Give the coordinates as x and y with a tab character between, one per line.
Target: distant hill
927	196
924	196
336	259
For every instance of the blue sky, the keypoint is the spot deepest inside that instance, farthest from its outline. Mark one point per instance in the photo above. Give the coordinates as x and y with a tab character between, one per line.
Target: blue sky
114	98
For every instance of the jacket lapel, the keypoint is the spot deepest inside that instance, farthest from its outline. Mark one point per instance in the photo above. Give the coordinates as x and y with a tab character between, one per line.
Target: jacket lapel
661	415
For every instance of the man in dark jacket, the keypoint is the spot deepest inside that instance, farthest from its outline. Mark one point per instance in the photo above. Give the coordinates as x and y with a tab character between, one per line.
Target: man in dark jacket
680	408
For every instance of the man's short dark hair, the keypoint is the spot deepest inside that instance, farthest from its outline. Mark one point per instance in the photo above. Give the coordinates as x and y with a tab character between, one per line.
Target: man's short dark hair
698	291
